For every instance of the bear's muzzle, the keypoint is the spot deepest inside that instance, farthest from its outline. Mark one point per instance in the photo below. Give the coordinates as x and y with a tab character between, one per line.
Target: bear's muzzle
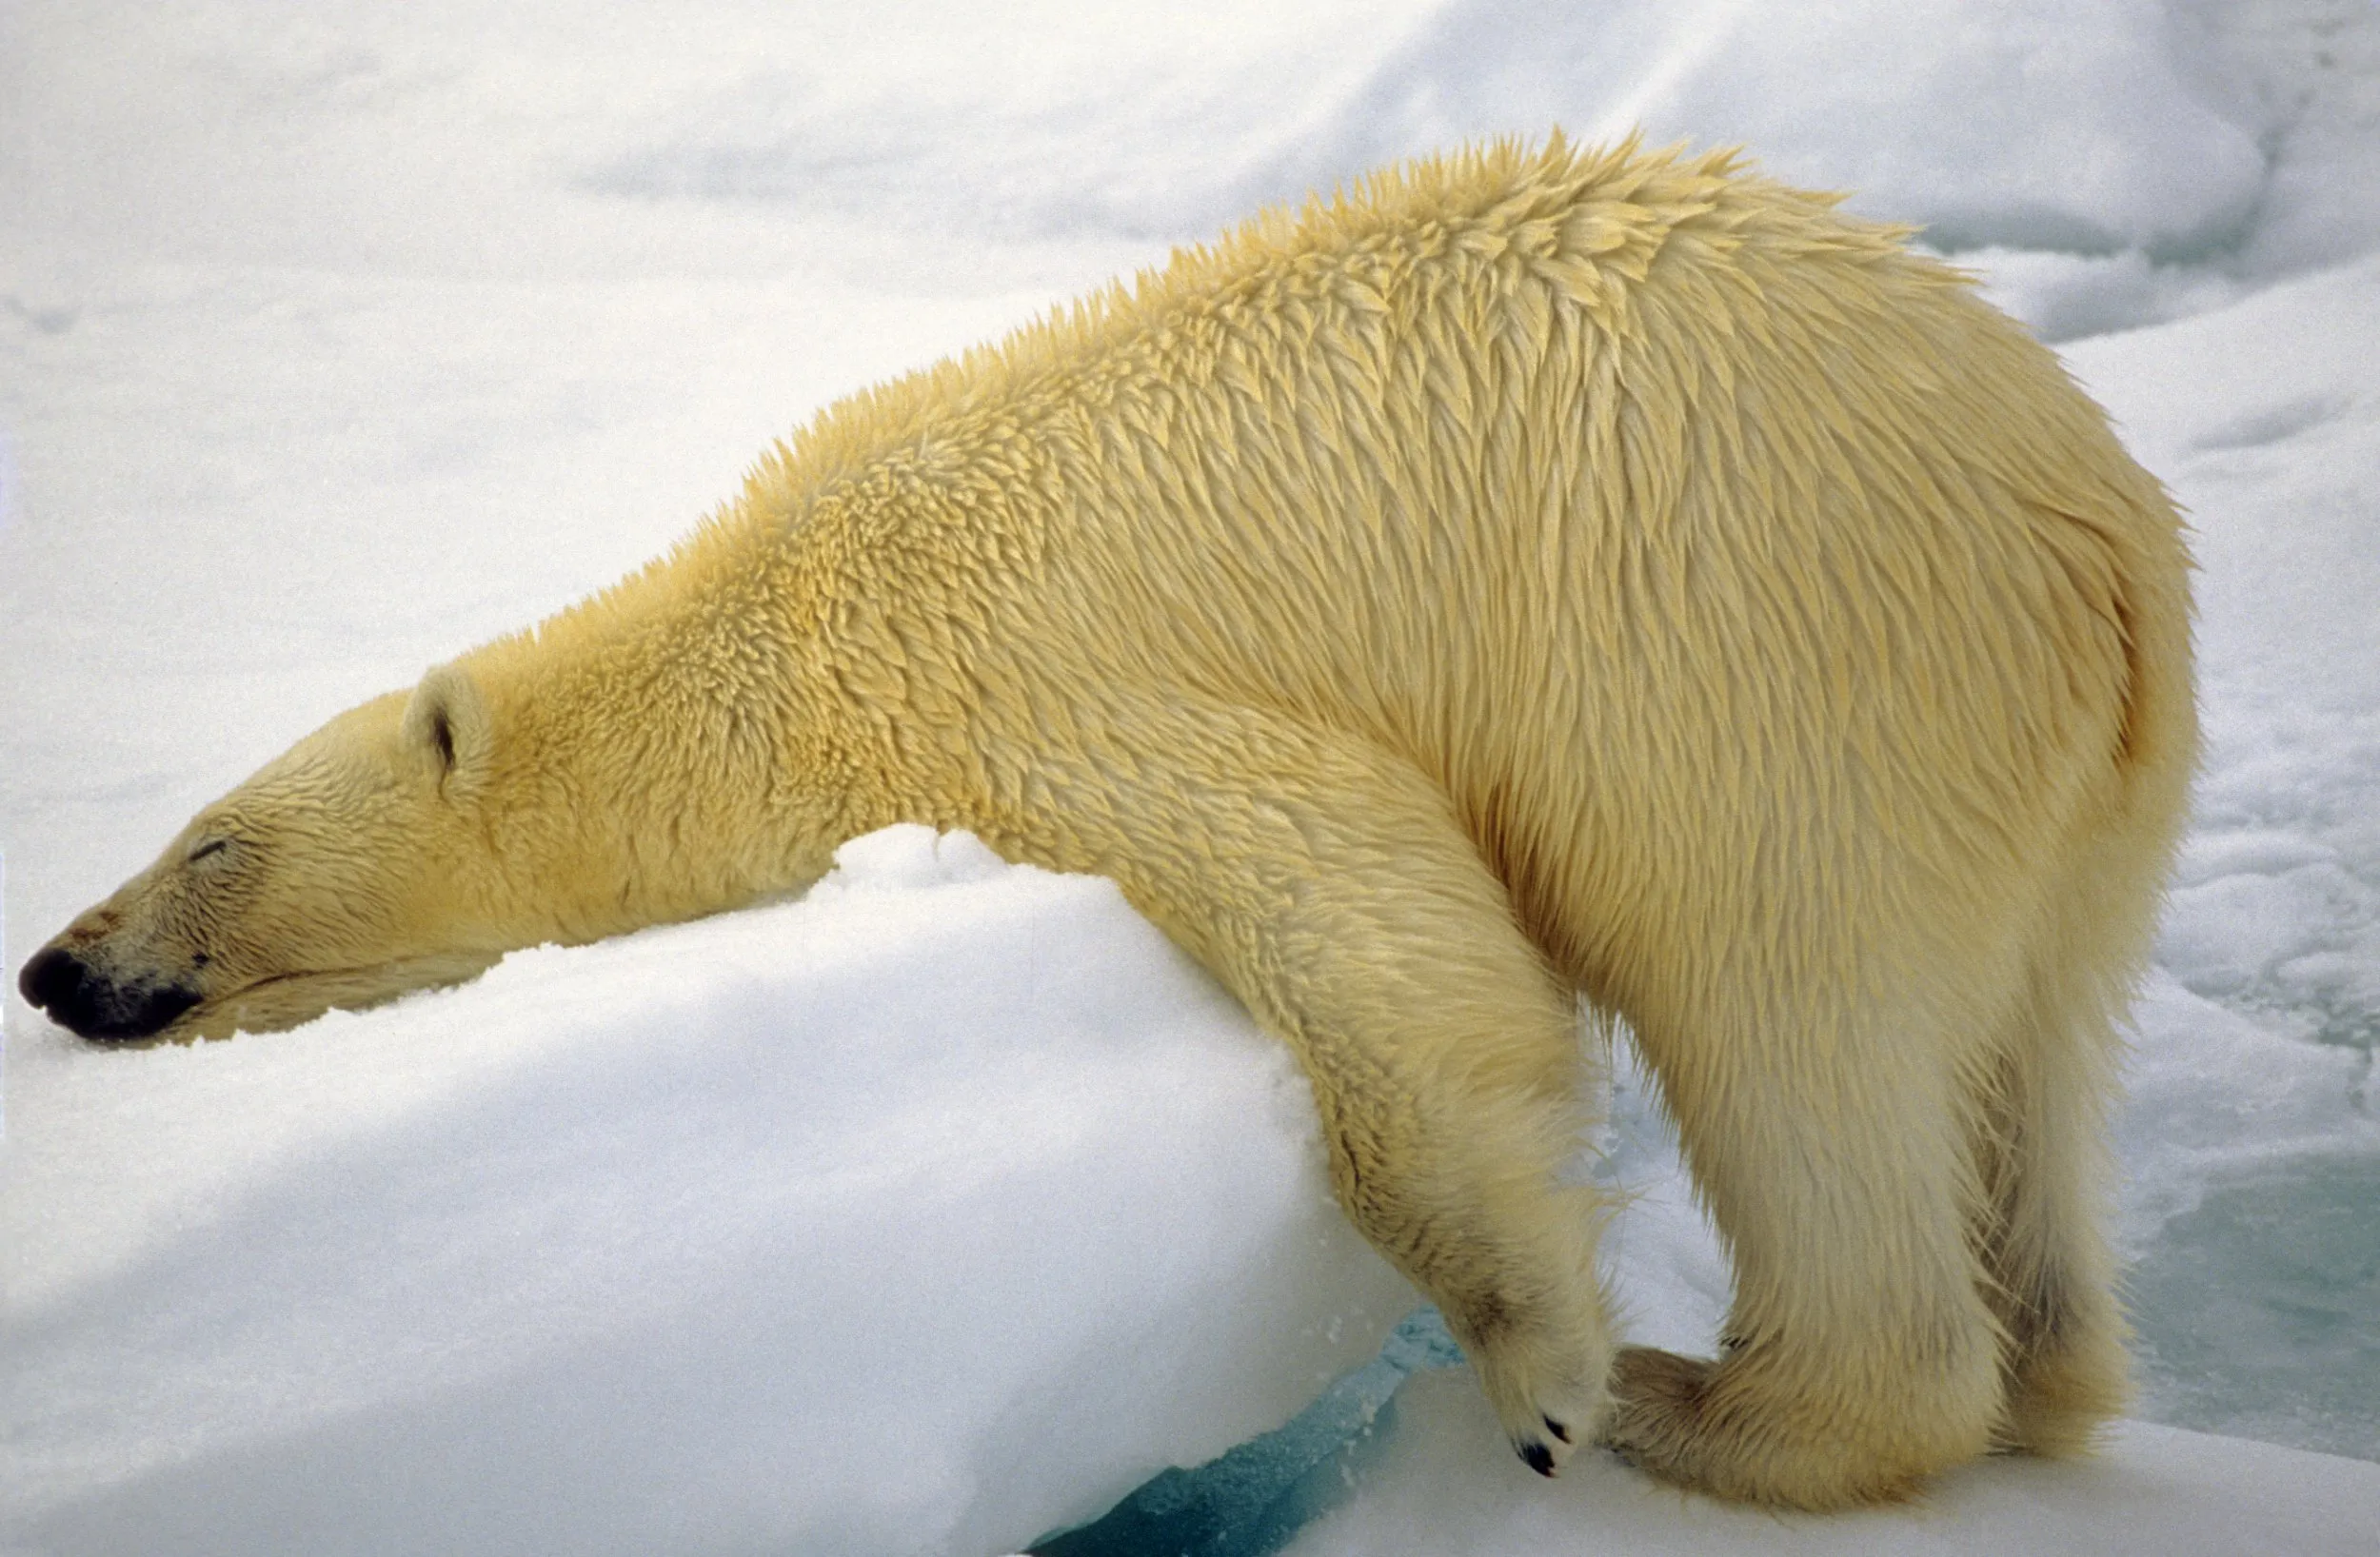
84	1000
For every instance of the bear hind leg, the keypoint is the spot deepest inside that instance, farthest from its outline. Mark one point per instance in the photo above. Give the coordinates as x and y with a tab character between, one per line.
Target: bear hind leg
1861	1356
2052	1276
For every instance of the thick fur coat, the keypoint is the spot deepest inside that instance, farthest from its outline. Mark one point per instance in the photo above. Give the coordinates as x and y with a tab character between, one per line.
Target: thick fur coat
1536	574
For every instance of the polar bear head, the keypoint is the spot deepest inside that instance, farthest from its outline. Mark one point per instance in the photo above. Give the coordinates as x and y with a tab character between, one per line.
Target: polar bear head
356	866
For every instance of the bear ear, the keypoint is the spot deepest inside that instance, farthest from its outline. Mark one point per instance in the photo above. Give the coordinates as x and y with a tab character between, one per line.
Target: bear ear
447	725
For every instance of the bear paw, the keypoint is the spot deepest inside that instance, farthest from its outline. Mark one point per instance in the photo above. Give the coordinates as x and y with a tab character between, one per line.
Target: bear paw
1548	1403
1736	1429
1656	1400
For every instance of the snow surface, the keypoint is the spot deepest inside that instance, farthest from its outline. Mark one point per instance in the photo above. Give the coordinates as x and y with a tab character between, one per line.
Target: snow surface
834	1223
1445	1485
334	340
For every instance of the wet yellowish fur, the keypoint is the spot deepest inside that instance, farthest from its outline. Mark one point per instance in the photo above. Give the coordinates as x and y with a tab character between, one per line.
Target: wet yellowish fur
1537	572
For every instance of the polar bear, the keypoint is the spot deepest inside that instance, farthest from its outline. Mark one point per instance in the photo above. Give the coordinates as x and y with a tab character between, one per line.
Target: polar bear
1536	574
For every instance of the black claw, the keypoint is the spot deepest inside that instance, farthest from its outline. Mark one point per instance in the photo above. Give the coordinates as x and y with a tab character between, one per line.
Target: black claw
1557	1430
1536	1457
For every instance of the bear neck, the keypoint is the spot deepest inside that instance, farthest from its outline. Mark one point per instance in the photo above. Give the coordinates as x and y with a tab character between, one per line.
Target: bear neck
671	748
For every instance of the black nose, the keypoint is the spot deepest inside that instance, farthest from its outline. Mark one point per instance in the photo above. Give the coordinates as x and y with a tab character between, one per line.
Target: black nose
81	999
53	980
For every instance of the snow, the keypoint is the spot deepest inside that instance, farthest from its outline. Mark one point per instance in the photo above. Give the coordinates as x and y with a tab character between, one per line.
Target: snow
1923	87
1444	1485
830	1225
936	1211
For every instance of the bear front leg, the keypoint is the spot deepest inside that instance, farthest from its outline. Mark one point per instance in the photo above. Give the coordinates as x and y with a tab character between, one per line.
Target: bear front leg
1332	888
1453	1179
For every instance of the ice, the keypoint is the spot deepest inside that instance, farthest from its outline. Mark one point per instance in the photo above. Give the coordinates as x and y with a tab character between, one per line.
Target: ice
932	1213
1446	1486
936	1211
1255	1498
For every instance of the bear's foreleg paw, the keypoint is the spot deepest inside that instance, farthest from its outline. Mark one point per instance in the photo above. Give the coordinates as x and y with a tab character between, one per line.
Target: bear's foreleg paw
1547	1392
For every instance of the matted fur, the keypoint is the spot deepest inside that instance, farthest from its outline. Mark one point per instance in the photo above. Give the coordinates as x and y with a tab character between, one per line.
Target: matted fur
1535	572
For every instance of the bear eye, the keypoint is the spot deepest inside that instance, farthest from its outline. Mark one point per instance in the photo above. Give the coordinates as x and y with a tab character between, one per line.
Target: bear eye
207	849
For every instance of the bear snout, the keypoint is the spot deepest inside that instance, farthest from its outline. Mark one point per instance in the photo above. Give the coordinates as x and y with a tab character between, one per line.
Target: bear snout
85	1001
53	978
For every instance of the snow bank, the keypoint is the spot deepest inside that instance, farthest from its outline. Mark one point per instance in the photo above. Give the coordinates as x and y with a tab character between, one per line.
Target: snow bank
932	1213
2037	124
2106	163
